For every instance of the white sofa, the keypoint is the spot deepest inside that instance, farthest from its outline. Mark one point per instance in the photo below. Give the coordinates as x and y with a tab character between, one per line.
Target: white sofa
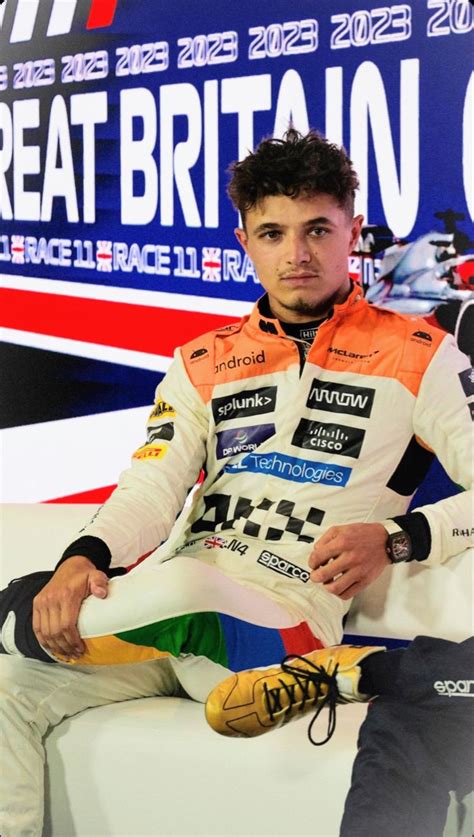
153	767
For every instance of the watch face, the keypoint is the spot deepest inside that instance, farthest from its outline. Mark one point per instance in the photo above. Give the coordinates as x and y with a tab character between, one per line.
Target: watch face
400	547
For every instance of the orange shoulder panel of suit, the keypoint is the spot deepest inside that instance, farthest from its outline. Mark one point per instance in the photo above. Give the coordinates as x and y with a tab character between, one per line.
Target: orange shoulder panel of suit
382	342
199	356
233	353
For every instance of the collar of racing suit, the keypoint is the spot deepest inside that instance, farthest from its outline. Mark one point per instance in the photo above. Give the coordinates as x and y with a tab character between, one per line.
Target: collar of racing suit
302	335
262	319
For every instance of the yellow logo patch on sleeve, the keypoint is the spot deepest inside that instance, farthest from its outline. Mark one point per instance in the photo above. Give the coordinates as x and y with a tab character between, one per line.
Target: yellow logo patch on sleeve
161	410
150	452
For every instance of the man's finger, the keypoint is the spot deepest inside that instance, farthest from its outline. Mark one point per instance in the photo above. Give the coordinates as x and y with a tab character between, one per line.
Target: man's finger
41	625
72	638
322	553
352	591
44	634
326	572
36	622
69	634
37	629
56	639
343	583
324	543
328	536
98	585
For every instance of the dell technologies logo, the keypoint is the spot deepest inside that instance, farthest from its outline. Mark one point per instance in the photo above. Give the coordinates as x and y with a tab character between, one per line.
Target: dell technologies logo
341	398
290	468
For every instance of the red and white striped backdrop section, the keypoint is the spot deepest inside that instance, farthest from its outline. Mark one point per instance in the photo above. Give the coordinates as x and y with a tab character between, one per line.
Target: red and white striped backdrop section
74	459
135	327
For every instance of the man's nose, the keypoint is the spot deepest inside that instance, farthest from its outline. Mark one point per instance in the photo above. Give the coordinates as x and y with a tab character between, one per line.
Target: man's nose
298	251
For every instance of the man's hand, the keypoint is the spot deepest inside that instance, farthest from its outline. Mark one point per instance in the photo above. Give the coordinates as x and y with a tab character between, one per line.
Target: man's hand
348	558
56	607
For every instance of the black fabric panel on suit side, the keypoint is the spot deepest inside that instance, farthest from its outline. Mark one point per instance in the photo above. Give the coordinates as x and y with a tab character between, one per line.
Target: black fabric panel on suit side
411	470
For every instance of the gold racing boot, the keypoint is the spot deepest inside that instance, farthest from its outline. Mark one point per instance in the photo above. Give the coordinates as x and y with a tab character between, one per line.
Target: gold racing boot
256	701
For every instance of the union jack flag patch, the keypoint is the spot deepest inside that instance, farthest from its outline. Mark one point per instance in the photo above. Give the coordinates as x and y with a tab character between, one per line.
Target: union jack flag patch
215	542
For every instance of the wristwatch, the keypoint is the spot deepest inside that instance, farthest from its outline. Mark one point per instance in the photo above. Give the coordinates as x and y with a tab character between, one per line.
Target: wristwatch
398	544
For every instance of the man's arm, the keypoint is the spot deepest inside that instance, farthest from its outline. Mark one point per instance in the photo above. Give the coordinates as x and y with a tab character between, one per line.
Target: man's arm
137	517
443	422
150	494
350	557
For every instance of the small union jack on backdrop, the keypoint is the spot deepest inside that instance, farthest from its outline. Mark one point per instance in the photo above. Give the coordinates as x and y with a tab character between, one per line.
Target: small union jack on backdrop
104	256
17	249
211	264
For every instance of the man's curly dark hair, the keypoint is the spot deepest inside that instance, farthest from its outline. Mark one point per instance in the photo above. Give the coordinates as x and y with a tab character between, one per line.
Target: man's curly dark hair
293	166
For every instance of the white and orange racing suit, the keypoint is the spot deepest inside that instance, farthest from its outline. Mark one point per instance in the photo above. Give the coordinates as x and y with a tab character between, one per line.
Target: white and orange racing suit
290	448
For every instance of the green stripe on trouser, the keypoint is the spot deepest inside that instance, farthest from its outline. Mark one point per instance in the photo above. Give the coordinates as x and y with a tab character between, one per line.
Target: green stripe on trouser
195	633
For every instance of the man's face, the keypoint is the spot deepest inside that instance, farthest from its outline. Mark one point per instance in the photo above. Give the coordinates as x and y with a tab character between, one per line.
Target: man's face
299	247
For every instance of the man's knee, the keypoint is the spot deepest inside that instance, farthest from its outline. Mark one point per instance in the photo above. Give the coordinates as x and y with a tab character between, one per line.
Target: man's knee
25	686
17	692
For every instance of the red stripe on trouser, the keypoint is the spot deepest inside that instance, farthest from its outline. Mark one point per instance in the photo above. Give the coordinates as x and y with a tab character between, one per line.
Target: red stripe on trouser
119	324
299	640
101	13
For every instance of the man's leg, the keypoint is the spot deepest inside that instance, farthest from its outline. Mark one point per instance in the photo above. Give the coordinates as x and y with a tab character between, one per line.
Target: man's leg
35	696
183	614
179	607
417	742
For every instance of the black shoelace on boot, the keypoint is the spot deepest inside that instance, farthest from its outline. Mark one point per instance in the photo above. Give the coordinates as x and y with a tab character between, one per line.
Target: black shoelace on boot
318	677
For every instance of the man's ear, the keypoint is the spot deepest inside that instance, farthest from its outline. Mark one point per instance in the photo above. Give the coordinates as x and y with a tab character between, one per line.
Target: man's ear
242	238
357	223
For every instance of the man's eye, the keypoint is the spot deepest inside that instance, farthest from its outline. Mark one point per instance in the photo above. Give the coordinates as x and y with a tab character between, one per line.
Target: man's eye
271	235
318	232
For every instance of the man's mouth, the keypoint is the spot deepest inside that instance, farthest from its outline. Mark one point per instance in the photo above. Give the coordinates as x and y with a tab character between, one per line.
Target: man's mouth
299	278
